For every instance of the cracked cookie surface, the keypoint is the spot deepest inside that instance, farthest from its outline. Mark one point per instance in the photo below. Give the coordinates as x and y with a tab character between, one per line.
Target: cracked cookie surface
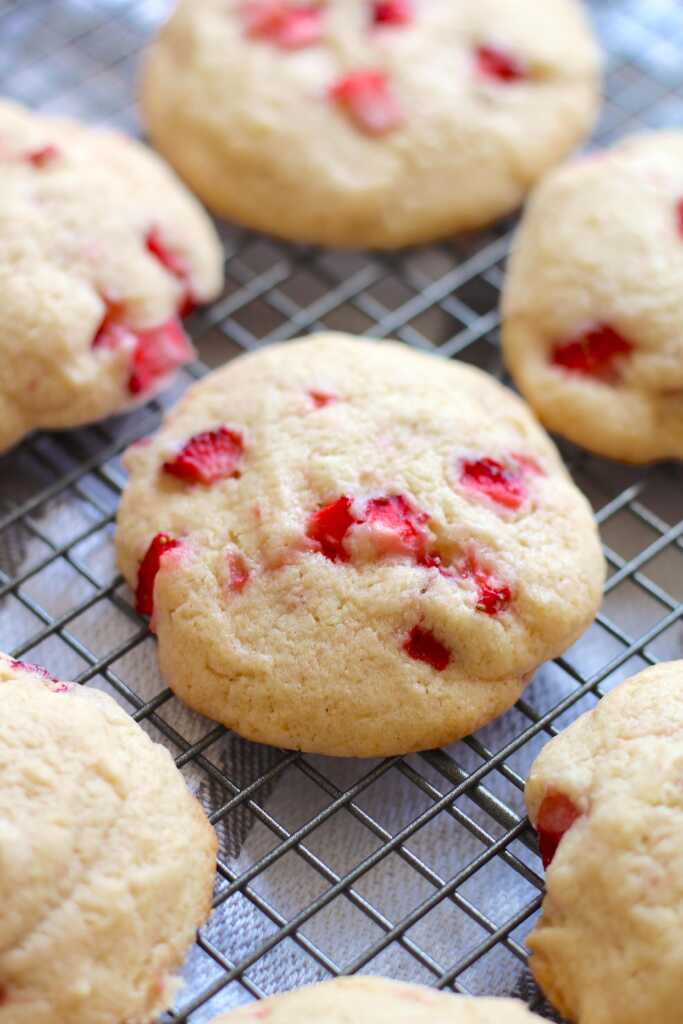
379	573
106	860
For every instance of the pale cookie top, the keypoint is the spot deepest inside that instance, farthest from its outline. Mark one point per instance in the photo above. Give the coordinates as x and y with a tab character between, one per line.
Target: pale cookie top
371	549
593	314
106	861
366	1000
101	251
369	122
607	798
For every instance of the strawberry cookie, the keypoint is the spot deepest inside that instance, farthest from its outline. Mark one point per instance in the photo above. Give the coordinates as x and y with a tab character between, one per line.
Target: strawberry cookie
376	123
593	305
352	548
378	1001
102	251
106	860
607	799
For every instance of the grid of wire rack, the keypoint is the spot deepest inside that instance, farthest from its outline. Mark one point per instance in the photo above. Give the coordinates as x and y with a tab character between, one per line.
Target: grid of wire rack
422	867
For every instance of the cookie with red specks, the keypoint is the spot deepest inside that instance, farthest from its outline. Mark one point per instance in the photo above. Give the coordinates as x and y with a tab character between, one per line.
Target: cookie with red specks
102	251
606	797
592	309
106	860
353	548
379	1001
377	123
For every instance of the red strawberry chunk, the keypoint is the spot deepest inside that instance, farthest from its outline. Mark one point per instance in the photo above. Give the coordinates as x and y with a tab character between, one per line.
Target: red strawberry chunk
289	26
493	596
499	65
329	526
556	816
595	353
679	217
176	265
173	261
392	12
147	573
238	571
158	351
155	351
494	480
42	156
422	645
38	670
322	398
398	525
367	98
208	457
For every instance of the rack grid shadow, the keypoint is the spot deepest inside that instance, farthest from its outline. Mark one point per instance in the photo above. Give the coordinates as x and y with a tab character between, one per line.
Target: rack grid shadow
421	867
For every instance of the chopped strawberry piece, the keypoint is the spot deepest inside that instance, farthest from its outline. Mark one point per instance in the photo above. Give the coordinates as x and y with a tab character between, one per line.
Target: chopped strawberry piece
367	98
42	156
322	398
492	479
172	260
422	645
158	351
187	304
398	524
595	353
679	217
176	265
208	457
392	12
155	351
289	26
147	573
495	63
493	596
38	670
238	571
329	526
555	817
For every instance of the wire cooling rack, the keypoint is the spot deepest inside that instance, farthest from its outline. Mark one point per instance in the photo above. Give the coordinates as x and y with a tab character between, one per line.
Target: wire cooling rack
421	867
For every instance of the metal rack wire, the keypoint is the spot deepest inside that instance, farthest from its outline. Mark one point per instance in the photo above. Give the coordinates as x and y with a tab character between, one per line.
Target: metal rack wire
421	867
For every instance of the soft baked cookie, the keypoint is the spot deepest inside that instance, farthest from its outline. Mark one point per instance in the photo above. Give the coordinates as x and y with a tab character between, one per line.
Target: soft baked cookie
367	1000
106	861
607	798
354	548
102	250
593	307
369	122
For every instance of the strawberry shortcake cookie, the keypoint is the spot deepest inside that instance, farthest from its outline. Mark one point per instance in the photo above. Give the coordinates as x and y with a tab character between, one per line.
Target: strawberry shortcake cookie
606	797
378	1001
106	860
593	303
352	548
102	251
375	123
